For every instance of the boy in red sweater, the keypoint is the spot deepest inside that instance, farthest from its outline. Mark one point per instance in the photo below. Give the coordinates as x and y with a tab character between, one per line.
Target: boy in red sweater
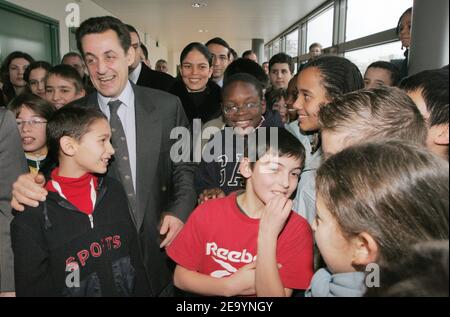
81	241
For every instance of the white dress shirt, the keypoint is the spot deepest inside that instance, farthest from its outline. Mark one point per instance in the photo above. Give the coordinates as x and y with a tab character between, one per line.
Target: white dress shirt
134	75
127	115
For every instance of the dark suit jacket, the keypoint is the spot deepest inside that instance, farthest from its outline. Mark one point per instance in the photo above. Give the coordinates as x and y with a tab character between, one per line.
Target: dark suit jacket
153	79
161	185
12	164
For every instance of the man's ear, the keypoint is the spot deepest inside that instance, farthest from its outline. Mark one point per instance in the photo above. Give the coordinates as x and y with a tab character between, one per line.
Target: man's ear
130	55
245	168
81	93
442	134
68	145
365	250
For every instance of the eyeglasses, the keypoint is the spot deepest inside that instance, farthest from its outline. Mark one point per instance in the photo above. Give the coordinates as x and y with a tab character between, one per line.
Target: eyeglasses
232	108
32	122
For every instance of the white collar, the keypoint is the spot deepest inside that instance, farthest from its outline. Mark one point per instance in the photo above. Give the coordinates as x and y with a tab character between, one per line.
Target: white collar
219	82
127	98
134	75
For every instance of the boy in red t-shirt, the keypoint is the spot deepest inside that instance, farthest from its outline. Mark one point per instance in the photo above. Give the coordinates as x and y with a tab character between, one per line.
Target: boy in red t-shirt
250	243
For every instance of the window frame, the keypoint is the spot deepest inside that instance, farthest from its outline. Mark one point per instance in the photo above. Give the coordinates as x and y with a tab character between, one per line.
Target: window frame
339	33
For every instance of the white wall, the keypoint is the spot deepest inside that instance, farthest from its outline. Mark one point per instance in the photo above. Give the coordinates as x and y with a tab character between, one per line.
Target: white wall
173	60
155	53
56	9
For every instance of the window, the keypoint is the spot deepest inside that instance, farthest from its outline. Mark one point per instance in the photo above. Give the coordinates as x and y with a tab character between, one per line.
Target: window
73	39
276	47
366	56
366	17
32	33
359	31
320	29
292	43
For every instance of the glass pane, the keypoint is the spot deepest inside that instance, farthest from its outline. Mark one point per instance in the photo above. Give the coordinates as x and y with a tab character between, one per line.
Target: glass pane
366	17
29	35
276	48
386	52
292	43
266	54
320	29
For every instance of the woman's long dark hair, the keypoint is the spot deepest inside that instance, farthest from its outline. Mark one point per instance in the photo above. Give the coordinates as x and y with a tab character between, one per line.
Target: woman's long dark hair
8	89
339	75
196	46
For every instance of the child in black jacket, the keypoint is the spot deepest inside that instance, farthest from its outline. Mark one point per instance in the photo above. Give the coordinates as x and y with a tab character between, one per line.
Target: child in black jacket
81	241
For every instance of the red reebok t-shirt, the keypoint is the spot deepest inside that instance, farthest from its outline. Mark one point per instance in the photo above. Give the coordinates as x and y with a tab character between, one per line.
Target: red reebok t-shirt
218	239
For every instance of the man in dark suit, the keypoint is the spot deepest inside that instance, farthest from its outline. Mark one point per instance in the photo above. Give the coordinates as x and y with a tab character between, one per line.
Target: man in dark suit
160	191
141	74
12	164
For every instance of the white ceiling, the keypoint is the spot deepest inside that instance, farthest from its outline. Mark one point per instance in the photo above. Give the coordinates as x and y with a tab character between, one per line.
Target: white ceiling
175	23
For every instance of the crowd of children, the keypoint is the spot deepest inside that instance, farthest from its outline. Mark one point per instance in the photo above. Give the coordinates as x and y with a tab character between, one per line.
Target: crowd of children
309	181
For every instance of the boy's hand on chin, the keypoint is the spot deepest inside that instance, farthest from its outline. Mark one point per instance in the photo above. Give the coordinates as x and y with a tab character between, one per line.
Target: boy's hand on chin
274	216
